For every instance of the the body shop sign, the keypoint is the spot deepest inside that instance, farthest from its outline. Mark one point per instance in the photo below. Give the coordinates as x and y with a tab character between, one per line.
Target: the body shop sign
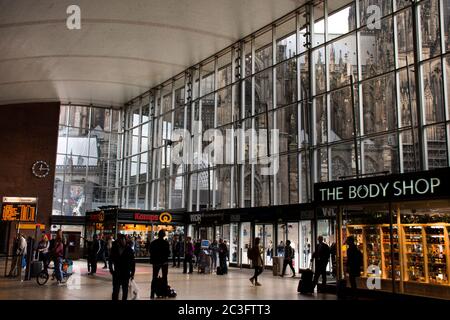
410	186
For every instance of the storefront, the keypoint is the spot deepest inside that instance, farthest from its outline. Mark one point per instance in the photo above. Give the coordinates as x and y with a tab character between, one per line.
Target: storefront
273	225
401	224
73	229
139	225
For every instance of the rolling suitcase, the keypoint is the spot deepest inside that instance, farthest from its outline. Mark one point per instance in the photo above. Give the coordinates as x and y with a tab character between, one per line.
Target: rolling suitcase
305	285
161	289
219	271
341	289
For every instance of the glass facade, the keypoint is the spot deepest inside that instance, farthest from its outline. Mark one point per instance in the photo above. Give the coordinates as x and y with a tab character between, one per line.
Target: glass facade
335	90
88	160
349	91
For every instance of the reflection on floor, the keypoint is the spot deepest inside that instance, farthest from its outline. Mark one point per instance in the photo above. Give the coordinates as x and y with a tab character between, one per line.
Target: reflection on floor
234	285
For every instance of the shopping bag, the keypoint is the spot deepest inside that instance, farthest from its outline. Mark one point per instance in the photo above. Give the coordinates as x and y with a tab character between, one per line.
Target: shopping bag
24	262
134	290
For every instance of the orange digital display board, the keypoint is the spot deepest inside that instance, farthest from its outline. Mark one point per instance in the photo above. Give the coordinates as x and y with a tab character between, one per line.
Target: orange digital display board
19	212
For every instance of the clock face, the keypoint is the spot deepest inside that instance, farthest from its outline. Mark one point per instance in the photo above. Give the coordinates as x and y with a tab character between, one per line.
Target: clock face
41	169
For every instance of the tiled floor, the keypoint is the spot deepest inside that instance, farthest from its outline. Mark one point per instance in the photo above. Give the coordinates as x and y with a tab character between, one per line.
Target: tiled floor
234	285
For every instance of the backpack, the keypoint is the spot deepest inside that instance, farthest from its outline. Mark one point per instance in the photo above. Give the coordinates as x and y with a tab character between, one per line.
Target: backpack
251	253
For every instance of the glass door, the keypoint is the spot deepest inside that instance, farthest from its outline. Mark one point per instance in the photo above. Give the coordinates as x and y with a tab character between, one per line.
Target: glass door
245	242
293	236
268	244
325	228
281	233
305	244
265	233
234	237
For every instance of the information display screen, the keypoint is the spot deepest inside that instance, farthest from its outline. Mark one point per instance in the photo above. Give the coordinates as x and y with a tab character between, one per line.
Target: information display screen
19	212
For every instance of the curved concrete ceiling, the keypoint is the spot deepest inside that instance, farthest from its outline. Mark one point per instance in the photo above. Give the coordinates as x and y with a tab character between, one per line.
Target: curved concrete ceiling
123	47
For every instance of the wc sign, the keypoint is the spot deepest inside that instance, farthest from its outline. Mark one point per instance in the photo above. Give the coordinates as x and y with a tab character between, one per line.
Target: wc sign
409	186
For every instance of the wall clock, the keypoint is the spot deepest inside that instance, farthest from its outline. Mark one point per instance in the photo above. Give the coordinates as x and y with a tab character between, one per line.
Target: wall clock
41	169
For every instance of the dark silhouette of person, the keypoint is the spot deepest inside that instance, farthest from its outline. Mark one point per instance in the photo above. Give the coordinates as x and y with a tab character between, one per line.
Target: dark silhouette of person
321	257
103	251
159	257
289	255
255	255
223	255
122	266
197	249
354	263
95	250
176	251
188	253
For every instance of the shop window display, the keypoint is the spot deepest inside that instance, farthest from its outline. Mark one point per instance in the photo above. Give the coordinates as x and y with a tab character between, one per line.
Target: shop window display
416	250
142	235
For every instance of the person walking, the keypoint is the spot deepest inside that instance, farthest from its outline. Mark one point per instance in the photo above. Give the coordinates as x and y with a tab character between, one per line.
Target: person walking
188	253
223	255
354	263
20	251
255	254
214	249
95	250
159	257
121	266
43	251
197	249
102	252
289	255
58	254
176	251
321	257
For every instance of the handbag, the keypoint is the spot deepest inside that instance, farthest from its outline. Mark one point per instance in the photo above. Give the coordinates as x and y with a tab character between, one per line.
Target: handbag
134	289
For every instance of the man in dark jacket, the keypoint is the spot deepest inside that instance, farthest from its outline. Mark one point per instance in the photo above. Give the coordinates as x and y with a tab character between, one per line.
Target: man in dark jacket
176	251
122	266
103	251
95	250
159	257
289	254
321	256
188	253
223	255
354	263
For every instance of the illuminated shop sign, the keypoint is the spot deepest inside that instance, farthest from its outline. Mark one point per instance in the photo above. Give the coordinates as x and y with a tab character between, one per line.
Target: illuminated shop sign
97	217
164	217
146	217
199	217
411	186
